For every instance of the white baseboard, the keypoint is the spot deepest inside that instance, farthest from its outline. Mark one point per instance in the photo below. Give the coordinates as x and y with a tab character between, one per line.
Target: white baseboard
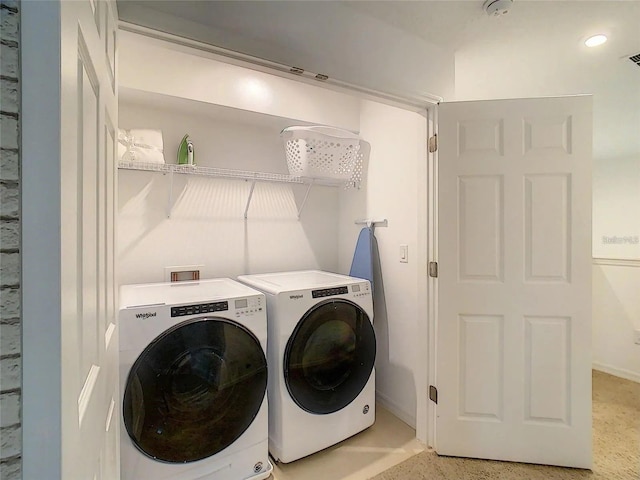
394	408
618	372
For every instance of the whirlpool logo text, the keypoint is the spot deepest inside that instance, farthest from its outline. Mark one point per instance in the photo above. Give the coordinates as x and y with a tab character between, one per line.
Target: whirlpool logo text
296	297
145	315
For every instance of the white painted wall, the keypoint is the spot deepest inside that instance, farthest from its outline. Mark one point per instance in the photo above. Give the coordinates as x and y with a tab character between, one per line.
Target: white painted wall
616	284
398	150
616	314
616	208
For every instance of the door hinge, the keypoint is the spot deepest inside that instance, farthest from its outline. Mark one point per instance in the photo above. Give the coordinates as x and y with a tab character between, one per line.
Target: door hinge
433	269
433	143
433	394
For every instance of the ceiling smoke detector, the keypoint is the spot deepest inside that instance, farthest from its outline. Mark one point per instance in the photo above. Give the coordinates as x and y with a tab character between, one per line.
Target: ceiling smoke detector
497	8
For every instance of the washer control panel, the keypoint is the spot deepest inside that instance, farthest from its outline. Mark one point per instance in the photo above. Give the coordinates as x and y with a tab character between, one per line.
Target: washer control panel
248	306
199	308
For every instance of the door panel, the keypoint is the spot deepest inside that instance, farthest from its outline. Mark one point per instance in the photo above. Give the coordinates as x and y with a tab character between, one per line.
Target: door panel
547	208
88	188
480	237
513	340
547	349
481	366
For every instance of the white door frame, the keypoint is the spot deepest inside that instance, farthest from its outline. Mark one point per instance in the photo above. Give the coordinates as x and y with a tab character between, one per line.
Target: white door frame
424	338
431	247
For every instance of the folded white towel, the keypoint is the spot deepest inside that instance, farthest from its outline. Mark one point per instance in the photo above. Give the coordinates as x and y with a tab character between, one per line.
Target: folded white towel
140	145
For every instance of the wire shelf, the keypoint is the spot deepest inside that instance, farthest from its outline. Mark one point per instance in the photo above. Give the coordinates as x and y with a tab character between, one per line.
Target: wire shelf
253	177
225	173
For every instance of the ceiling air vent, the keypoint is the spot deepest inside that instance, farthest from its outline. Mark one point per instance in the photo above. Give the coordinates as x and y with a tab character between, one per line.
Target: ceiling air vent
635	59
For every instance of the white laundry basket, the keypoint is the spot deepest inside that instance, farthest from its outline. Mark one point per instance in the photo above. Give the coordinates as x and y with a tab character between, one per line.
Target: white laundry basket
323	152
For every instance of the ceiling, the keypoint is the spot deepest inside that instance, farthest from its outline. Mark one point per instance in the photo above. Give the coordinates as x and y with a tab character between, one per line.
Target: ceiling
536	49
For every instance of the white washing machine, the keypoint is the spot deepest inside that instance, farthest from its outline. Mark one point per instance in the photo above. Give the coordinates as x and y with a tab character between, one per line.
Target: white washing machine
193	381
321	354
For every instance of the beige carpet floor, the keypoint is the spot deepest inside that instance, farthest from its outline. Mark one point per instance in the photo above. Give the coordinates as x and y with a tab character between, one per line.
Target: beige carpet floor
616	446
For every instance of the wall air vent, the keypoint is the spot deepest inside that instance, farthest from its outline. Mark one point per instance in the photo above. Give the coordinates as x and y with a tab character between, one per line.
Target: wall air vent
635	59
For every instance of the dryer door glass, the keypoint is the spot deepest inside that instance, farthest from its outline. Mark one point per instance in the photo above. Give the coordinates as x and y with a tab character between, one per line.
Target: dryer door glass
330	356
194	390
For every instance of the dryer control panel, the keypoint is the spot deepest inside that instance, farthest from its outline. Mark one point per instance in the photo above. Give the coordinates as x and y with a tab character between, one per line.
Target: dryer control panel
329	292
360	290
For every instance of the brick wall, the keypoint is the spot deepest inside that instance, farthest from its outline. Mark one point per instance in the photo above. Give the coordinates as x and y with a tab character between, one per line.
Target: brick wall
10	299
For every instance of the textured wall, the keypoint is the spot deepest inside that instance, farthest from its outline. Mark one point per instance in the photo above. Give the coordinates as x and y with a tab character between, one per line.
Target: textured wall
10	308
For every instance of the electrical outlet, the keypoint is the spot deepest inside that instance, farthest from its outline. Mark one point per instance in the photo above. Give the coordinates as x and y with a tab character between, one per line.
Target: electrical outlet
636	337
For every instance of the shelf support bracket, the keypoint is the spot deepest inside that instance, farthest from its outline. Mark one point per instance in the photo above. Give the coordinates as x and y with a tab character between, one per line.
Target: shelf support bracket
170	204
246	209
304	200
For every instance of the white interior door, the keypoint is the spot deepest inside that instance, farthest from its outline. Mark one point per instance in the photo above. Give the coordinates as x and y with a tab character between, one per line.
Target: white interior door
89	338
513	367
69	221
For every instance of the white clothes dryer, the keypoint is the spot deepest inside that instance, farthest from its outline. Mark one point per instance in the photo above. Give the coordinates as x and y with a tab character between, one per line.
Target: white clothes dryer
193	381
321	353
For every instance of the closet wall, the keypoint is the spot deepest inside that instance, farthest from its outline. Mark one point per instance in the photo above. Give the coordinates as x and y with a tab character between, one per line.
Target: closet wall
396	192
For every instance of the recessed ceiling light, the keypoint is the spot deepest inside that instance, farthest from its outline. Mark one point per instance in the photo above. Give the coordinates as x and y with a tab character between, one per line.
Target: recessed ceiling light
595	40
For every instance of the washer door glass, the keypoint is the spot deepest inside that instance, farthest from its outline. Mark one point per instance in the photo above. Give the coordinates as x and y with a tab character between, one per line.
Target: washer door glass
330	356
194	390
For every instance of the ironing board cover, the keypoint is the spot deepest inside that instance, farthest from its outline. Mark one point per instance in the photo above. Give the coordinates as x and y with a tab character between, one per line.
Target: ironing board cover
362	264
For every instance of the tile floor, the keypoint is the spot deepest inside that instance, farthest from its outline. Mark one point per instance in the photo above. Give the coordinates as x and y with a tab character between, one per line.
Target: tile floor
388	442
